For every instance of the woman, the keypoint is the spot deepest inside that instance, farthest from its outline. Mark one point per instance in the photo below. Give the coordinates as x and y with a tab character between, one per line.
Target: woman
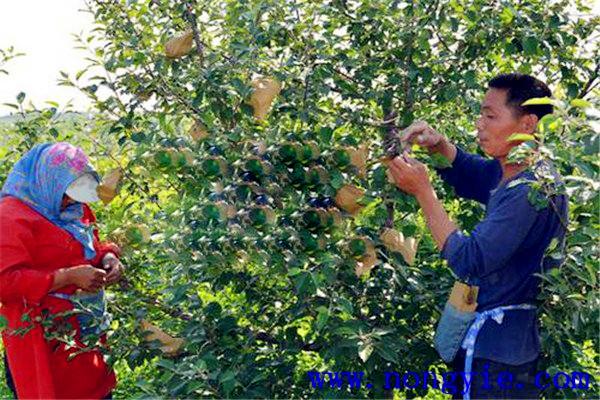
51	262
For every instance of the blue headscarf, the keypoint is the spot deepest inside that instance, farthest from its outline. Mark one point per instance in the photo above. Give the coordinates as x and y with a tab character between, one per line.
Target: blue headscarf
40	179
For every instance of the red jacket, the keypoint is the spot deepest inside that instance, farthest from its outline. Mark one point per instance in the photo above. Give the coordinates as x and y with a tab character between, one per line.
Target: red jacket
31	250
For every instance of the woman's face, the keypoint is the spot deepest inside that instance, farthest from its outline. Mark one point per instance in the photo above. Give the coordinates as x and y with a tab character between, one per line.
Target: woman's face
66	201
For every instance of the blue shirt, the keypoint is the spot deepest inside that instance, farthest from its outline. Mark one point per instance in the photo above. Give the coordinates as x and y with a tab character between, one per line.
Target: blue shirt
503	252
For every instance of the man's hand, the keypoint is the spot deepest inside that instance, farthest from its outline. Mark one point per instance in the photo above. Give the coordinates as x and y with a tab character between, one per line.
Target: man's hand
419	132
409	175
113	267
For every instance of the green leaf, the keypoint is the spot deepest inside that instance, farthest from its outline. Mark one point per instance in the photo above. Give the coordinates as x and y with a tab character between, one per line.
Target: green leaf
380	332
538	101
322	317
138	137
213	309
345	305
591	144
572	89
471	78
552	246
507	15
517	182
228	381
537	199
79	74
337	180
379	216
305	284
530	45
439	161
20	97
227	376
591	273
167	364
3	323
325	134
386	354
521	152
520	137
580	103
549	123
365	350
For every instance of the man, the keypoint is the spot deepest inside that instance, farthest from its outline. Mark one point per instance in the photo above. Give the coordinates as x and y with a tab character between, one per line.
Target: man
506	249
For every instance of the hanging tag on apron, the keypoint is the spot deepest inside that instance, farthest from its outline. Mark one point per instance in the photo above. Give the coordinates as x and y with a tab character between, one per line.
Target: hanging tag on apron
464	297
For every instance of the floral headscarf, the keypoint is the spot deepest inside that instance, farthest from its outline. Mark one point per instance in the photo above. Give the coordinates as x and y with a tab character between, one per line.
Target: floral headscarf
40	179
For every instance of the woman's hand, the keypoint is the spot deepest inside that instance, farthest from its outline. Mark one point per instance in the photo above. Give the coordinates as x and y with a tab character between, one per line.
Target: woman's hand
113	267
84	276
409	175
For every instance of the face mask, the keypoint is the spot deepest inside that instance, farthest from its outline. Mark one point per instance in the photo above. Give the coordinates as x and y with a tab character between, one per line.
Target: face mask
83	189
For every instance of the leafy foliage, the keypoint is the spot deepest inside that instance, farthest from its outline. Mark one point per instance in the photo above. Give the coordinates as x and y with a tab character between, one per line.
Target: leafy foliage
247	256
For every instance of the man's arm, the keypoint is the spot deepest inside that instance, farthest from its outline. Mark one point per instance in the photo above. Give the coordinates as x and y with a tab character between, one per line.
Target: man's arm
445	148
438	221
412	177
494	240
471	176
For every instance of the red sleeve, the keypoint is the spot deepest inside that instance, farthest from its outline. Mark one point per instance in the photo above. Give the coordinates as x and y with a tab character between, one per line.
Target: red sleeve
18	280
102	248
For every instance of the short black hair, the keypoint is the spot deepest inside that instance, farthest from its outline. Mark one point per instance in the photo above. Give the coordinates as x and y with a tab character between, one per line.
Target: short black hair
520	88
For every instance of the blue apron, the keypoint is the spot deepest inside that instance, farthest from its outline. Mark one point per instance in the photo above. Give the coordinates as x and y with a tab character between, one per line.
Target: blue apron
459	329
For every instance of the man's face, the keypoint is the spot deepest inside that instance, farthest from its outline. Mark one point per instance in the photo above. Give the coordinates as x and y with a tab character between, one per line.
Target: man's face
498	121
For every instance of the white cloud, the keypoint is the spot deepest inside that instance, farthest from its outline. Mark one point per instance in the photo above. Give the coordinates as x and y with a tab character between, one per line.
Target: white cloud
43	30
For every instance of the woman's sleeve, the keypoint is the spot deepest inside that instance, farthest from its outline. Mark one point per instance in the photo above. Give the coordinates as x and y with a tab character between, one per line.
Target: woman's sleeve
18	280
495	239
102	248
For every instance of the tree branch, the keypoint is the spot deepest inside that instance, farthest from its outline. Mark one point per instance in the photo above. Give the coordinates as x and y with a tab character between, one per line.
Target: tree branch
164	85
590	83
191	17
